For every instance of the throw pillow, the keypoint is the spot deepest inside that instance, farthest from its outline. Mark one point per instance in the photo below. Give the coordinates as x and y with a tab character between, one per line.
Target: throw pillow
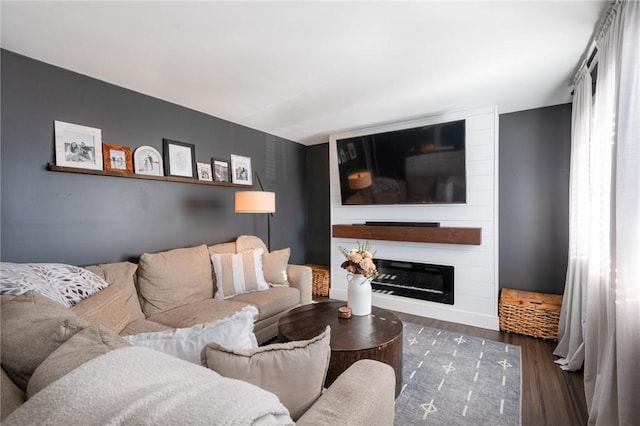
238	273
66	284
84	346
274	265
174	278
33	326
235	331
294	371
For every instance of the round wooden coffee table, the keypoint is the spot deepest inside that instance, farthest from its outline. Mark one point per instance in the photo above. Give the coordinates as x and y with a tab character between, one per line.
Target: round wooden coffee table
377	336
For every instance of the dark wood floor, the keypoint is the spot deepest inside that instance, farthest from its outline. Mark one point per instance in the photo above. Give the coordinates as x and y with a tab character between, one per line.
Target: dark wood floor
550	396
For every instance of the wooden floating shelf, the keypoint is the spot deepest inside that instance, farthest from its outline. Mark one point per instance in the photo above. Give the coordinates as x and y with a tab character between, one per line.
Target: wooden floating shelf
468	236
52	167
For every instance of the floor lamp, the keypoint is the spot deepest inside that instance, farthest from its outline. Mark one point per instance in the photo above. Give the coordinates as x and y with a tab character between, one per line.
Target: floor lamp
258	202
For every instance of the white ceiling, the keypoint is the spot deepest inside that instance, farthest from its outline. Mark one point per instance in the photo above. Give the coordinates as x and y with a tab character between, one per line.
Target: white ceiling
305	70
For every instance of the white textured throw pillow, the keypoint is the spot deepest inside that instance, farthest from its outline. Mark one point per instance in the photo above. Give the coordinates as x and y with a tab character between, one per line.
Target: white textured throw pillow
238	273
235	331
65	284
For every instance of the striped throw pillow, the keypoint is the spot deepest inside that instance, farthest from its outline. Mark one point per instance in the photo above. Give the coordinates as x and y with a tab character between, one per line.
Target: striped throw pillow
238	273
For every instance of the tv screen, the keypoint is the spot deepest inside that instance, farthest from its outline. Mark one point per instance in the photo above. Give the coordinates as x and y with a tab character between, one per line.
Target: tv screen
420	165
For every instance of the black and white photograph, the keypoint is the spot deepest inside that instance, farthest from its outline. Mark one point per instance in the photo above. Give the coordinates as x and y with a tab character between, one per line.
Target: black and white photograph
352	151
117	158
179	159
78	146
343	156
204	171
147	161
220	170
241	170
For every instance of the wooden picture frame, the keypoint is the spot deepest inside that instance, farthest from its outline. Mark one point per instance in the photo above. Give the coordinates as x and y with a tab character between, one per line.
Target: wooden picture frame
78	146
220	170
179	159
241	172
147	161
204	172
117	158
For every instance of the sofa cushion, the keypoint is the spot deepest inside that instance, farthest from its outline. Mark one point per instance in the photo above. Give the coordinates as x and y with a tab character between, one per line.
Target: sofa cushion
66	284
235	331
223	248
11	396
272	301
250	242
294	371
238	273
274	265
107	307
33	326
174	278
144	326
83	346
197	313
122	276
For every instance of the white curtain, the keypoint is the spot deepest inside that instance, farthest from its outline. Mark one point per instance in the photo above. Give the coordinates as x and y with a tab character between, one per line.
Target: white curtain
571	327
604	285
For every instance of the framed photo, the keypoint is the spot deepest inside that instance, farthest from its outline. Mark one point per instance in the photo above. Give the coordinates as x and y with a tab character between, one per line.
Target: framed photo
204	171
352	151
241	170
117	158
147	161
78	146
179	159
220	170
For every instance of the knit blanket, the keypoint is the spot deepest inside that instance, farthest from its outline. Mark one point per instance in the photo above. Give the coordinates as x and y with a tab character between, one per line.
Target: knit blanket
140	386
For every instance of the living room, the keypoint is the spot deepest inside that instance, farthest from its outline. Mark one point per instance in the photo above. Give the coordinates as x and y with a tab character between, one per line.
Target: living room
88	219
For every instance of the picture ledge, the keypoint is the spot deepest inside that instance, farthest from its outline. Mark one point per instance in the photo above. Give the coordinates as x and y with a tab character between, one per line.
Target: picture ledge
54	168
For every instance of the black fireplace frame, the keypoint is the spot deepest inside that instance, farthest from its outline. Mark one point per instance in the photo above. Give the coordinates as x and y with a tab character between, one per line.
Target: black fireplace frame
414	289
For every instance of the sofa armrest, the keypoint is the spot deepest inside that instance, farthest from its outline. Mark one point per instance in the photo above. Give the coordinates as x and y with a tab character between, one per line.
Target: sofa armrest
363	395
300	277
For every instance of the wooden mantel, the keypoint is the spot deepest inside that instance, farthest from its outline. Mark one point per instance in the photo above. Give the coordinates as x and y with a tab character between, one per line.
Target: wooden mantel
444	235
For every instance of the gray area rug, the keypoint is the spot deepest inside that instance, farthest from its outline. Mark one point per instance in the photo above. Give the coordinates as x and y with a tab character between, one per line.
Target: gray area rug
452	379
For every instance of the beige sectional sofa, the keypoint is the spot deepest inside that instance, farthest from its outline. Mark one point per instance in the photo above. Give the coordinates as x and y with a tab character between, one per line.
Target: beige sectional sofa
164	291
175	288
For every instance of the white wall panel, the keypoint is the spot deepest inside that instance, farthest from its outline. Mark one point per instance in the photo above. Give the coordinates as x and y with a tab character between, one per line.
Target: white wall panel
476	281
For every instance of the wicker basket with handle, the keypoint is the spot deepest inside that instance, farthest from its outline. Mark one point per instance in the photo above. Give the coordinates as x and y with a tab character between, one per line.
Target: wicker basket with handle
321	279
529	313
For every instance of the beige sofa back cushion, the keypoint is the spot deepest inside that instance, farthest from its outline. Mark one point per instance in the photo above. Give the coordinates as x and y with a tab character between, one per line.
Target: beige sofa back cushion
174	278
33	326
122	276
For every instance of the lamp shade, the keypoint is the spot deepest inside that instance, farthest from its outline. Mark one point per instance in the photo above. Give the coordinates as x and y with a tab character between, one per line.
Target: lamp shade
255	202
359	180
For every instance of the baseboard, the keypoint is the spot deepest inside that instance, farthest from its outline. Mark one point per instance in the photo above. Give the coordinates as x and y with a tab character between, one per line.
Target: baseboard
427	309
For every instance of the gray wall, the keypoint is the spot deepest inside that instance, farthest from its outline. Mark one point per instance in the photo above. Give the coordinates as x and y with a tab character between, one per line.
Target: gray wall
534	153
535	149
318	205
85	219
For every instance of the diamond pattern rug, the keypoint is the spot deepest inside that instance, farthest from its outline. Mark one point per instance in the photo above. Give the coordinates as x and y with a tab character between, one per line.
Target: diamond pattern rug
452	379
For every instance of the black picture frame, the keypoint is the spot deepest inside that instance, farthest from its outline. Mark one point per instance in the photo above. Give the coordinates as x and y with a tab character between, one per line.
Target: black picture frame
219	165
179	159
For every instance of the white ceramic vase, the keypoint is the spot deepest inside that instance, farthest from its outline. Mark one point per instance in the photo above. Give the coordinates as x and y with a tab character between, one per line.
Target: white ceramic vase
359	294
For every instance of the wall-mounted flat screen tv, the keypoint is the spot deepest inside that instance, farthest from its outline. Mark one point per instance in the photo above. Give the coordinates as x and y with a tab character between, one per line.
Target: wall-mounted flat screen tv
420	165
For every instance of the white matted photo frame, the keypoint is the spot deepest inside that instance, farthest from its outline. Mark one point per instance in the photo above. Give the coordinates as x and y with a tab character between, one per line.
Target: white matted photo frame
204	171
117	158
147	161
220	170
78	146
241	170
179	159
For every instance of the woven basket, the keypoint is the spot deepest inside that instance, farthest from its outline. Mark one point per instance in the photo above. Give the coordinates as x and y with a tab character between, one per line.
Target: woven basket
529	313
321	279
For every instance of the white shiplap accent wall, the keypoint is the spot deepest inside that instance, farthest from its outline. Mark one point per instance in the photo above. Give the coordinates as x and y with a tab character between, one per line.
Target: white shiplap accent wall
476	267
